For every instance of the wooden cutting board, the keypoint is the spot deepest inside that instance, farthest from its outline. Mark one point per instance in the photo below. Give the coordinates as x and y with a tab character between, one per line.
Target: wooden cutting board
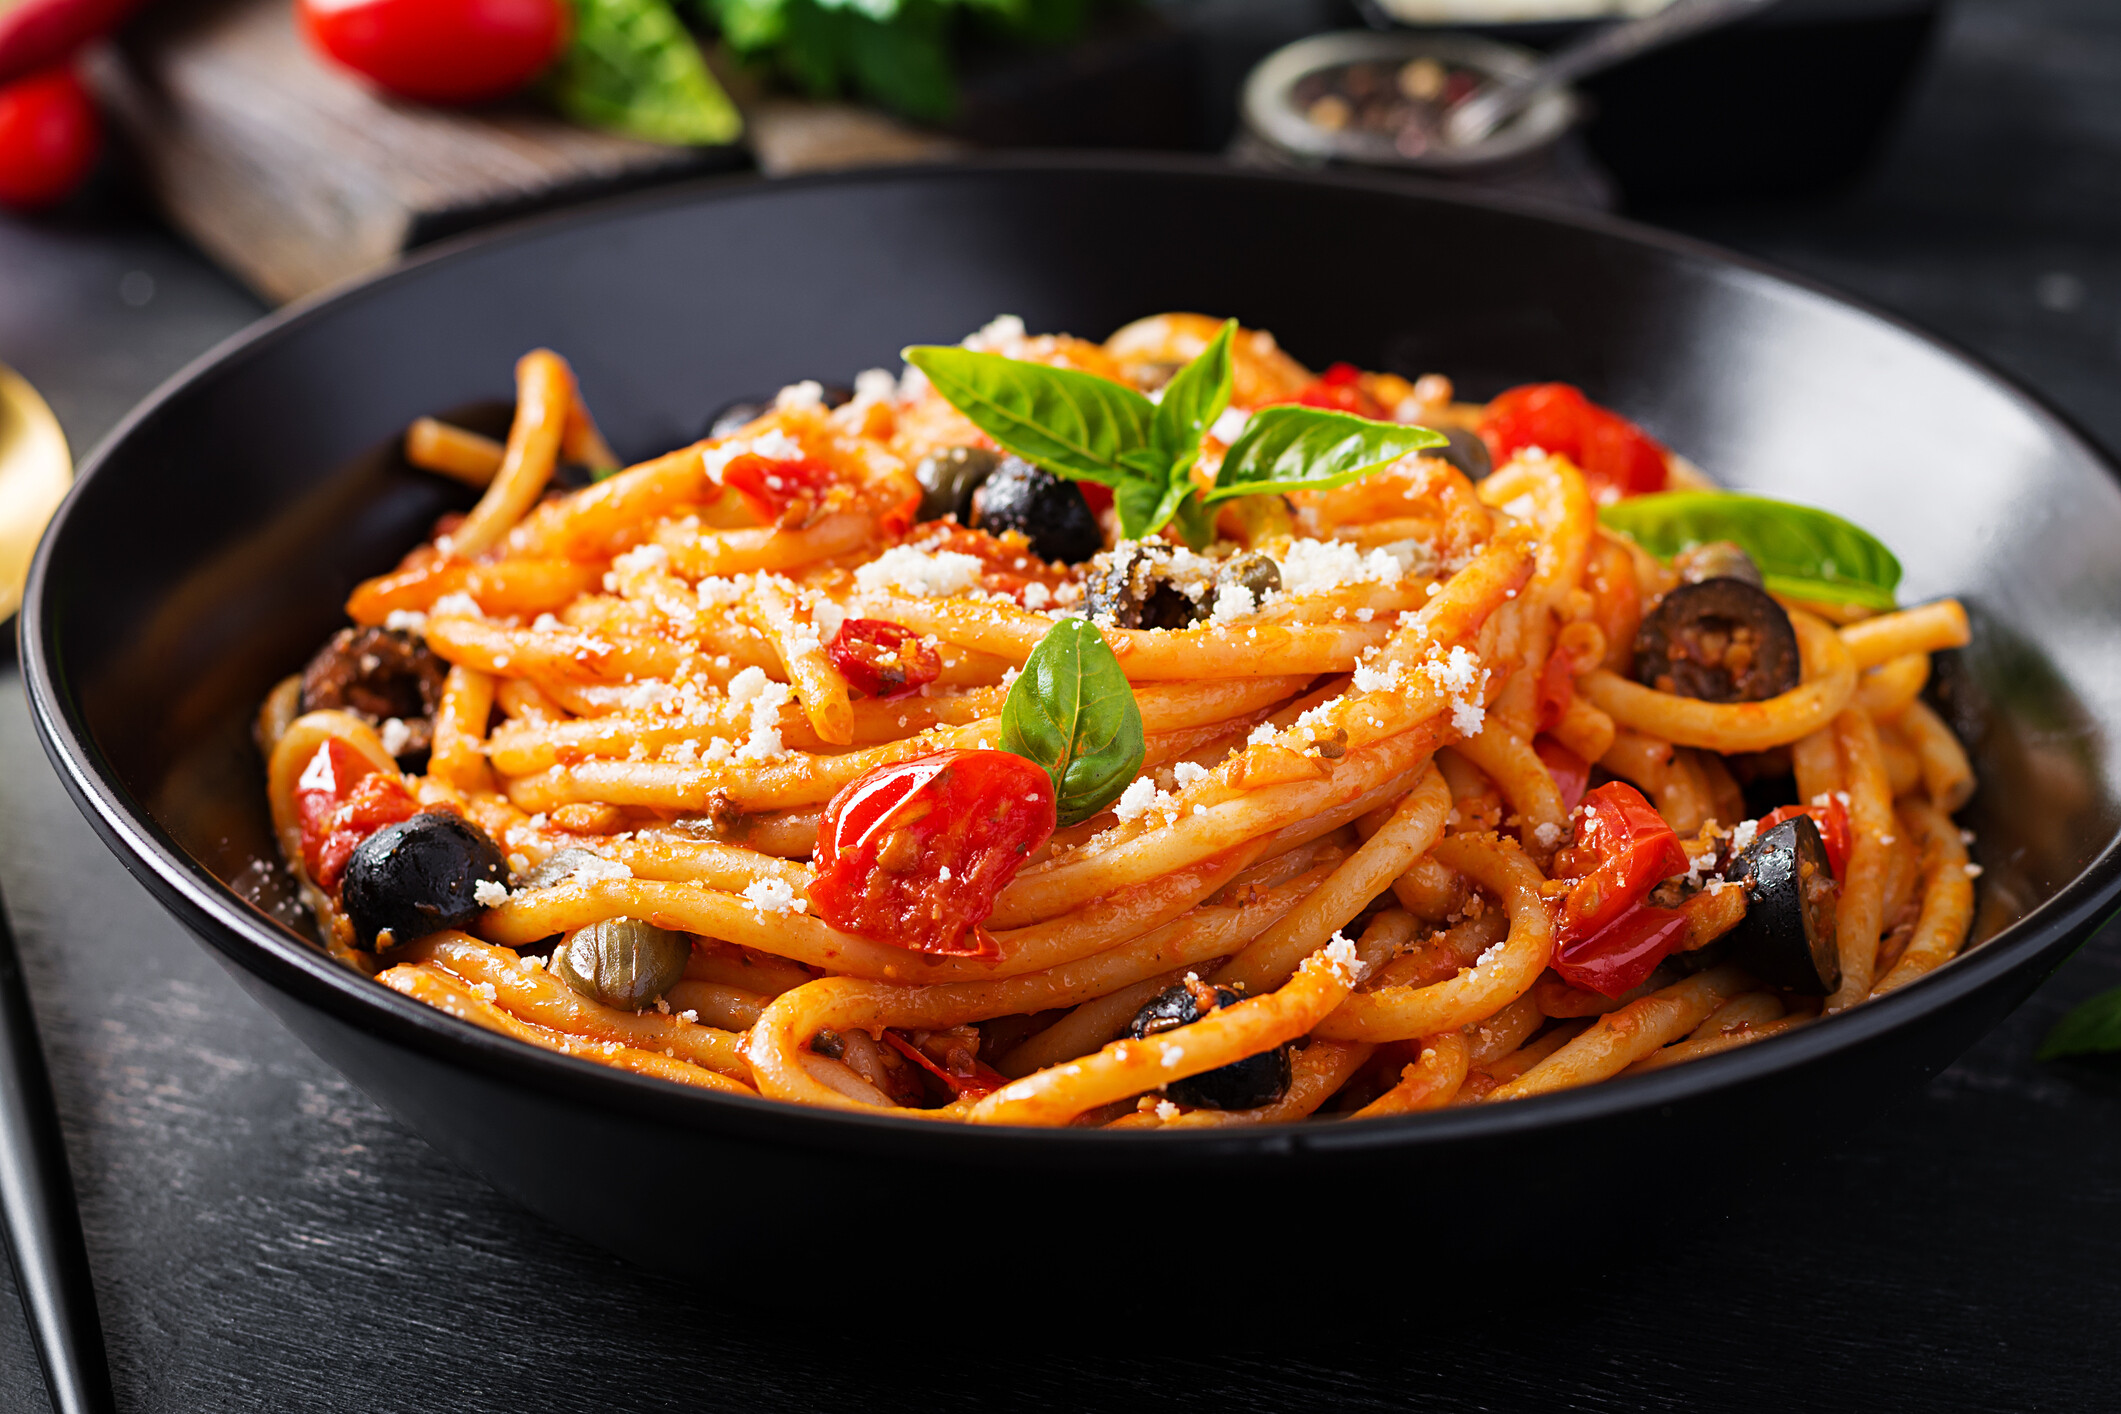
295	175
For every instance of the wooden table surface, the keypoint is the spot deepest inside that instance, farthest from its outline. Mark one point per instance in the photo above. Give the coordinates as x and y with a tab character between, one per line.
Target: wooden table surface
265	1239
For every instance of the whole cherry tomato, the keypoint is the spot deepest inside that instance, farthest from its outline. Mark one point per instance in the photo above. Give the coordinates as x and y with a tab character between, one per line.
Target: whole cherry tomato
1613	453
439	51
1609	940
49	135
913	853
341	799
1832	818
883	659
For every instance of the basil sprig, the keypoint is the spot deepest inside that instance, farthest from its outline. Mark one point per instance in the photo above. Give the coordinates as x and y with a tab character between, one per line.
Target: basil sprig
1088	428
1802	552
1309	449
1072	713
2092	1028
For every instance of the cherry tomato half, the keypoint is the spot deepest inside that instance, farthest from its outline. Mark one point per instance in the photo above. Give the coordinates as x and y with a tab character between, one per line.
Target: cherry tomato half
1617	957
340	800
1612	452
913	853
778	492
882	659
1832	819
1623	849
49	135
439	51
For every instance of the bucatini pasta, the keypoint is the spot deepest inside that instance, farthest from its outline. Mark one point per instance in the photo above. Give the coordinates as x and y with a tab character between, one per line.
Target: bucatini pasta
1272	762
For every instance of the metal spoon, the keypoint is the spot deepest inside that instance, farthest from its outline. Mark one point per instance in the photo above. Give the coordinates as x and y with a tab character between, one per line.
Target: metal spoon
35	470
43	1227
1495	104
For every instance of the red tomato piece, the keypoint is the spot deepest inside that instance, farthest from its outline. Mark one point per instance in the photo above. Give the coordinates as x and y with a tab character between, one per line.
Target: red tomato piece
1098	495
340	800
439	51
49	136
984	1079
1832	819
1571	772
1617	957
1612	452
1623	849
913	853
1557	688
777	491
882	659
35	34
1340	389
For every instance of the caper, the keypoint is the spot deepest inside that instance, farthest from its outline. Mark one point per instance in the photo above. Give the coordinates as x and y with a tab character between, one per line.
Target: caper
1717	559
1254	573
622	962
949	476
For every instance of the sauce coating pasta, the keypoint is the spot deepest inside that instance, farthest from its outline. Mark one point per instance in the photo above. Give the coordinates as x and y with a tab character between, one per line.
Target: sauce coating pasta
1444	794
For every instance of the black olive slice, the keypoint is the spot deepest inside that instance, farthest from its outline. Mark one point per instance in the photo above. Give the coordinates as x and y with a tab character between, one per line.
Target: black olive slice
1787	935
1133	586
1242	1084
417	877
1467	451
948	477
379	674
1721	640
1050	512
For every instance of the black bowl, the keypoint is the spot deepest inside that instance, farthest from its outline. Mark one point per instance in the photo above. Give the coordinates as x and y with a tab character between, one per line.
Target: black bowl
212	539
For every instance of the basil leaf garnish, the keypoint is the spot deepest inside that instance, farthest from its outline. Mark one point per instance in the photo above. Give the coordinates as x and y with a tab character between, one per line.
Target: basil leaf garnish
1073	424
1073	714
2092	1028
1309	449
1193	399
1802	552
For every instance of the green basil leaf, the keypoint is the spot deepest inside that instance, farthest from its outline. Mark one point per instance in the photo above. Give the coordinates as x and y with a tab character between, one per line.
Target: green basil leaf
1802	552
633	67
1072	712
2093	1028
1195	523
1193	399
1073	424
1308	449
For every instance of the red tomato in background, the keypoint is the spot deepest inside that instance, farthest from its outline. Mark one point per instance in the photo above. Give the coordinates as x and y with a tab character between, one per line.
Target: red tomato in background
340	800
49	134
1611	451
35	34
1832	819
439	51
913	853
883	659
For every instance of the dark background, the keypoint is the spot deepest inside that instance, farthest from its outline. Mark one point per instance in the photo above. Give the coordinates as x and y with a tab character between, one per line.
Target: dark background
266	1239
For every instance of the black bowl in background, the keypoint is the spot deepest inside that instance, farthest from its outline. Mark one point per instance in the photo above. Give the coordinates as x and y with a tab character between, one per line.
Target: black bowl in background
212	538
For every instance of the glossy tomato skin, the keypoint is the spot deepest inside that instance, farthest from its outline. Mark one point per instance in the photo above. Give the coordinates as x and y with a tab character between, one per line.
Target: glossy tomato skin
439	51
882	659
340	800
1615	455
1832	818
912	854
35	34
49	137
1608	939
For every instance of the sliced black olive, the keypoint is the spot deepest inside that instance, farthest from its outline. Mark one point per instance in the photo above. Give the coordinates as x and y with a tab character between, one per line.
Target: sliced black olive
1717	559
949	476
1467	451
1256	574
622	962
379	674
1050	512
1134	585
1721	640
1242	1084
417	877
1787	935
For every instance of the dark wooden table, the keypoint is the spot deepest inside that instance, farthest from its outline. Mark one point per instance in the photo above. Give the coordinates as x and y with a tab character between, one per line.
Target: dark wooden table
265	1239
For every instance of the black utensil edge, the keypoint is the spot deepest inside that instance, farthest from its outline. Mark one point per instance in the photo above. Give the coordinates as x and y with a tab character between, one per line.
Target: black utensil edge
281	957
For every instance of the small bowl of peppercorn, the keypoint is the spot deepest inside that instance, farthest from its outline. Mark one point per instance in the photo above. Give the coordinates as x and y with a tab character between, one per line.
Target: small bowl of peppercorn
1379	99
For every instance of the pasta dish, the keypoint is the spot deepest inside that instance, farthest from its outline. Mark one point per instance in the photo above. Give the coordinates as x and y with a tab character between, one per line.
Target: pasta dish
1145	734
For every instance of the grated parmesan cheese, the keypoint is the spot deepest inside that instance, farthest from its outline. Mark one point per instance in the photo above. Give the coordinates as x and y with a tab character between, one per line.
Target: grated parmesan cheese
772	894
488	894
903	568
458	605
